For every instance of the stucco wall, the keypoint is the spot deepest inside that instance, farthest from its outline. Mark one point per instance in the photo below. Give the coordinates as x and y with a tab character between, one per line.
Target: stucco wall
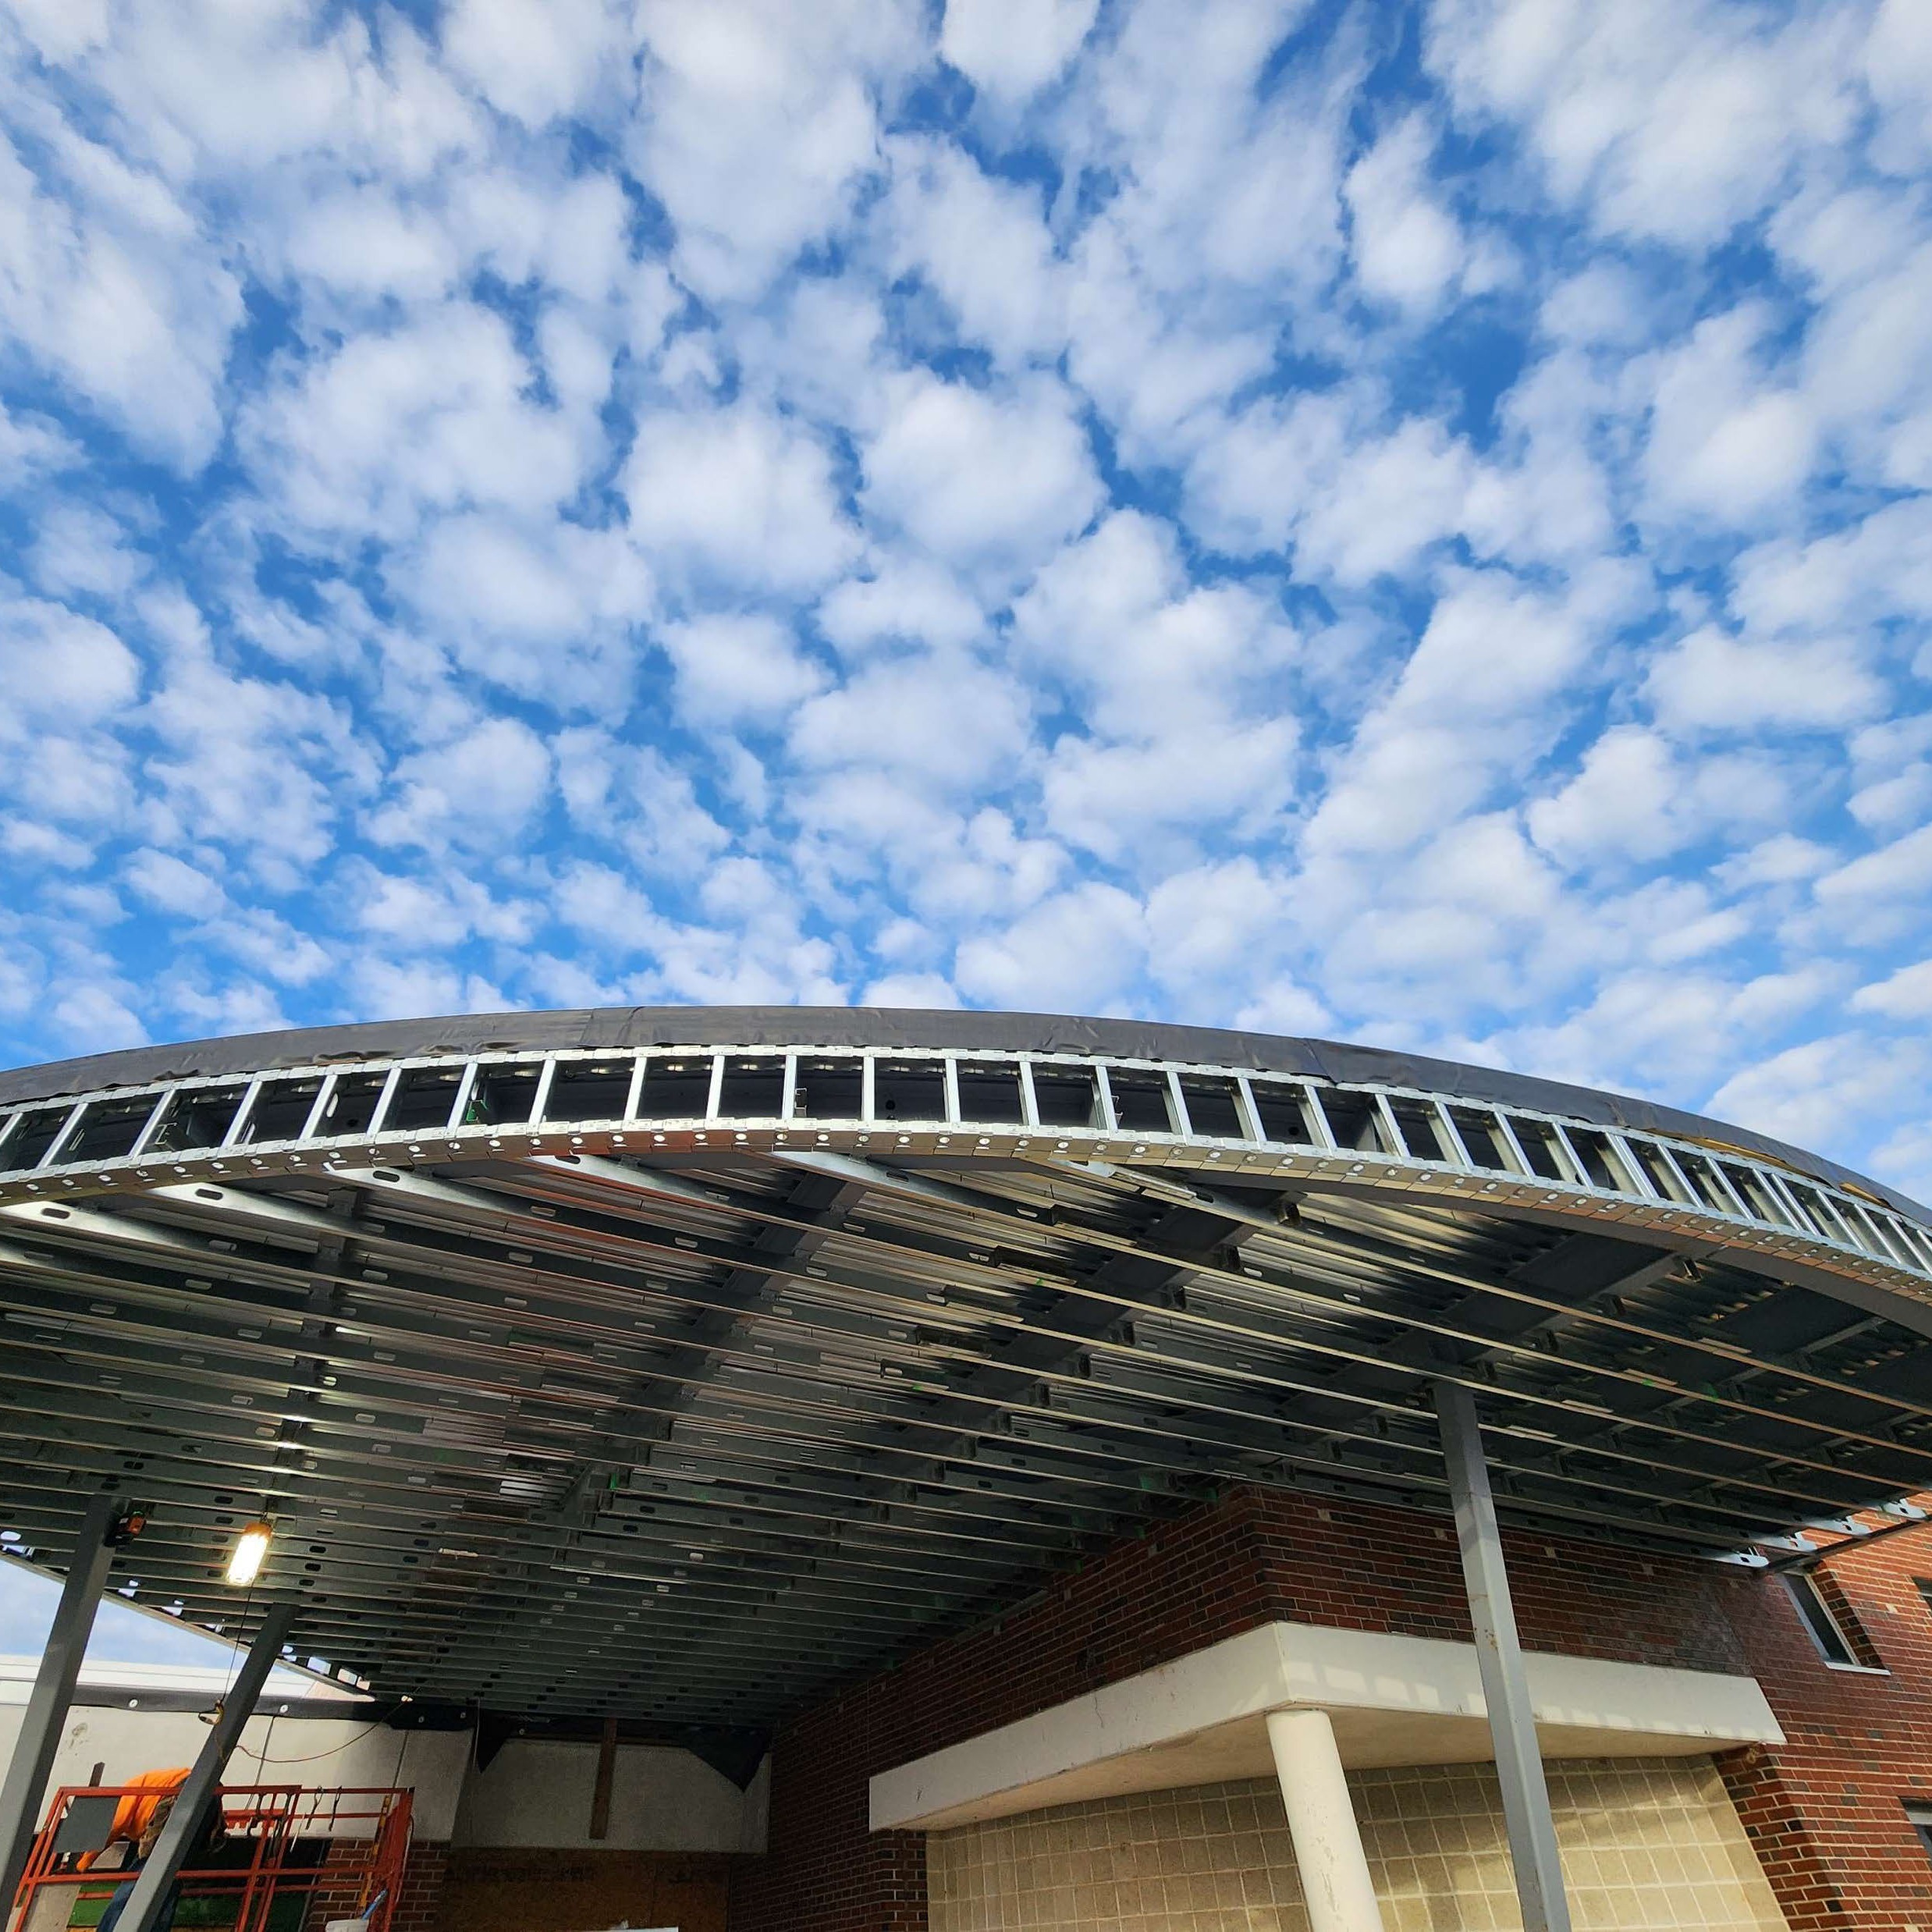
1647	1844
297	1751
539	1793
535	1794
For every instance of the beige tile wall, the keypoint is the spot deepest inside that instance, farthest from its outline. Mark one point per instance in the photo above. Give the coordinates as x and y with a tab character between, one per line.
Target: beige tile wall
1647	1843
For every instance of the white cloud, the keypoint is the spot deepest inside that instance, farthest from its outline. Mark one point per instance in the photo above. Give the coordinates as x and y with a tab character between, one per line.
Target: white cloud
1633	798
1851	580
1178	686
439	907
983	244
1009	49
481	789
1728	441
79	550
734	670
984	480
753	952
1905	995
1658	1025
637	797
1357	504
1711	681
365	245
1224	228
171	885
432	415
904	601
1472	703
955	869
1078	952
1898	70
1783	859
924	991
738	495
1115	800
1221	925
1408	249
385	989
1898	875
988	502
58	667
1671	122
1809	1094
548	610
31	447
941	720
1116	617
759	126
536	61
108	284
96	1019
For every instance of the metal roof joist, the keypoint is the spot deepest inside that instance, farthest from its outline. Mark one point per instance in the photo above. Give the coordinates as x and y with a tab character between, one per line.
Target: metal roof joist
731	1369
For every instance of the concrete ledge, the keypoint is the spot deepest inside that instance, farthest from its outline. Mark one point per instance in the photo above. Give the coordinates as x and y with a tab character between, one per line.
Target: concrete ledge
1394	1701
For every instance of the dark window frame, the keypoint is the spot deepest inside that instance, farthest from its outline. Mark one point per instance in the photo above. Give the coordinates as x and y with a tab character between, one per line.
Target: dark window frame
1919	1816
1831	1624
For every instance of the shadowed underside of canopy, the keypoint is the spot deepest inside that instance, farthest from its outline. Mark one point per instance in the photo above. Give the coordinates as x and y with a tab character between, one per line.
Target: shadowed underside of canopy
674	1364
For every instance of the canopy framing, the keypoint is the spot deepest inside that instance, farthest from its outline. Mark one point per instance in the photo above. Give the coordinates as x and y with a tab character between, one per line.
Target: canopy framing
677	1380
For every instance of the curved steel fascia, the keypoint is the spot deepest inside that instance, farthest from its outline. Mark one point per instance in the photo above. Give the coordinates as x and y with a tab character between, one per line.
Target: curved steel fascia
905	1030
1709	1187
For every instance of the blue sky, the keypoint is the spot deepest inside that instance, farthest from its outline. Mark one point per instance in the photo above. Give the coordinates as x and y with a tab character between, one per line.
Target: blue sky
120	1636
1408	523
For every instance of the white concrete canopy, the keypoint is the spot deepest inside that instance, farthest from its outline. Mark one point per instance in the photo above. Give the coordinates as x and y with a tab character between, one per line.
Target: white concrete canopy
1393	1700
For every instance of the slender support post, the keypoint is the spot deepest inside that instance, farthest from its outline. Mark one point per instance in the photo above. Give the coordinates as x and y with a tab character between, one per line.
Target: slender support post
191	1803
1336	1888
1532	1833
606	1778
35	1748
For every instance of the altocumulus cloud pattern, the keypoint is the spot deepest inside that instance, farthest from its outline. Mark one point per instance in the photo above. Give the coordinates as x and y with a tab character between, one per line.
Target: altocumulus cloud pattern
1408	522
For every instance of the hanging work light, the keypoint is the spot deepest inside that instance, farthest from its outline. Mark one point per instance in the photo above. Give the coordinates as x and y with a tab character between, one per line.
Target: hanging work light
250	1547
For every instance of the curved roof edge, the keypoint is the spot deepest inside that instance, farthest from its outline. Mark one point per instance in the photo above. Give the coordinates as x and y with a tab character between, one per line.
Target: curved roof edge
906	1029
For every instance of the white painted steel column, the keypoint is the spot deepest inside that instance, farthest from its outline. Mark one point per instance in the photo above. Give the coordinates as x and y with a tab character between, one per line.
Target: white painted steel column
1499	1655
1334	1870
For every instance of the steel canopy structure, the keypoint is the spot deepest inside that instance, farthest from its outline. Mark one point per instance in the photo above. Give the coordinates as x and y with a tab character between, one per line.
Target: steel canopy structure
672	1365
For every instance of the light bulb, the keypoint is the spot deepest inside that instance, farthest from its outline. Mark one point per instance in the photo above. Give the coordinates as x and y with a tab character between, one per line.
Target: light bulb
250	1547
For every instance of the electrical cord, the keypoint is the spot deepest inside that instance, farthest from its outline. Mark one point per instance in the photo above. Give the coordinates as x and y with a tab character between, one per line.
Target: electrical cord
334	1749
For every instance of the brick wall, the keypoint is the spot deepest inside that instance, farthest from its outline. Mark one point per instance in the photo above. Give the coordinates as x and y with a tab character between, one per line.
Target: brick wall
1826	1809
1252	1558
528	1889
420	1908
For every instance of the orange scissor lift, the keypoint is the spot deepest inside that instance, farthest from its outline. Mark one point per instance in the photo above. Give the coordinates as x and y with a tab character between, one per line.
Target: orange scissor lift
286	1851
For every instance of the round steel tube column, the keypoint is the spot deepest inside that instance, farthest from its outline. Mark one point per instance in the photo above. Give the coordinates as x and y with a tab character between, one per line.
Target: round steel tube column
1336	1887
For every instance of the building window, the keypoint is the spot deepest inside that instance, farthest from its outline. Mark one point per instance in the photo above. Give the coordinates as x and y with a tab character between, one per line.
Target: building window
1840	1642
1924	1584
1920	1818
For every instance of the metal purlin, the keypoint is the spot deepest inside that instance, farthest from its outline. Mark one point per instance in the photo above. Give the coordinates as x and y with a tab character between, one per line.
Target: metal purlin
612	1403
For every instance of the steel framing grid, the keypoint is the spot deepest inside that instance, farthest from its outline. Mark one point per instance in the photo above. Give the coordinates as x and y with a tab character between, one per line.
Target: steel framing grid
677	1381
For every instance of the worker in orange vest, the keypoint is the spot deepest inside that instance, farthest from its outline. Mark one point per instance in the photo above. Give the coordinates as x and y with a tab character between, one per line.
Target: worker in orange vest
139	1819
